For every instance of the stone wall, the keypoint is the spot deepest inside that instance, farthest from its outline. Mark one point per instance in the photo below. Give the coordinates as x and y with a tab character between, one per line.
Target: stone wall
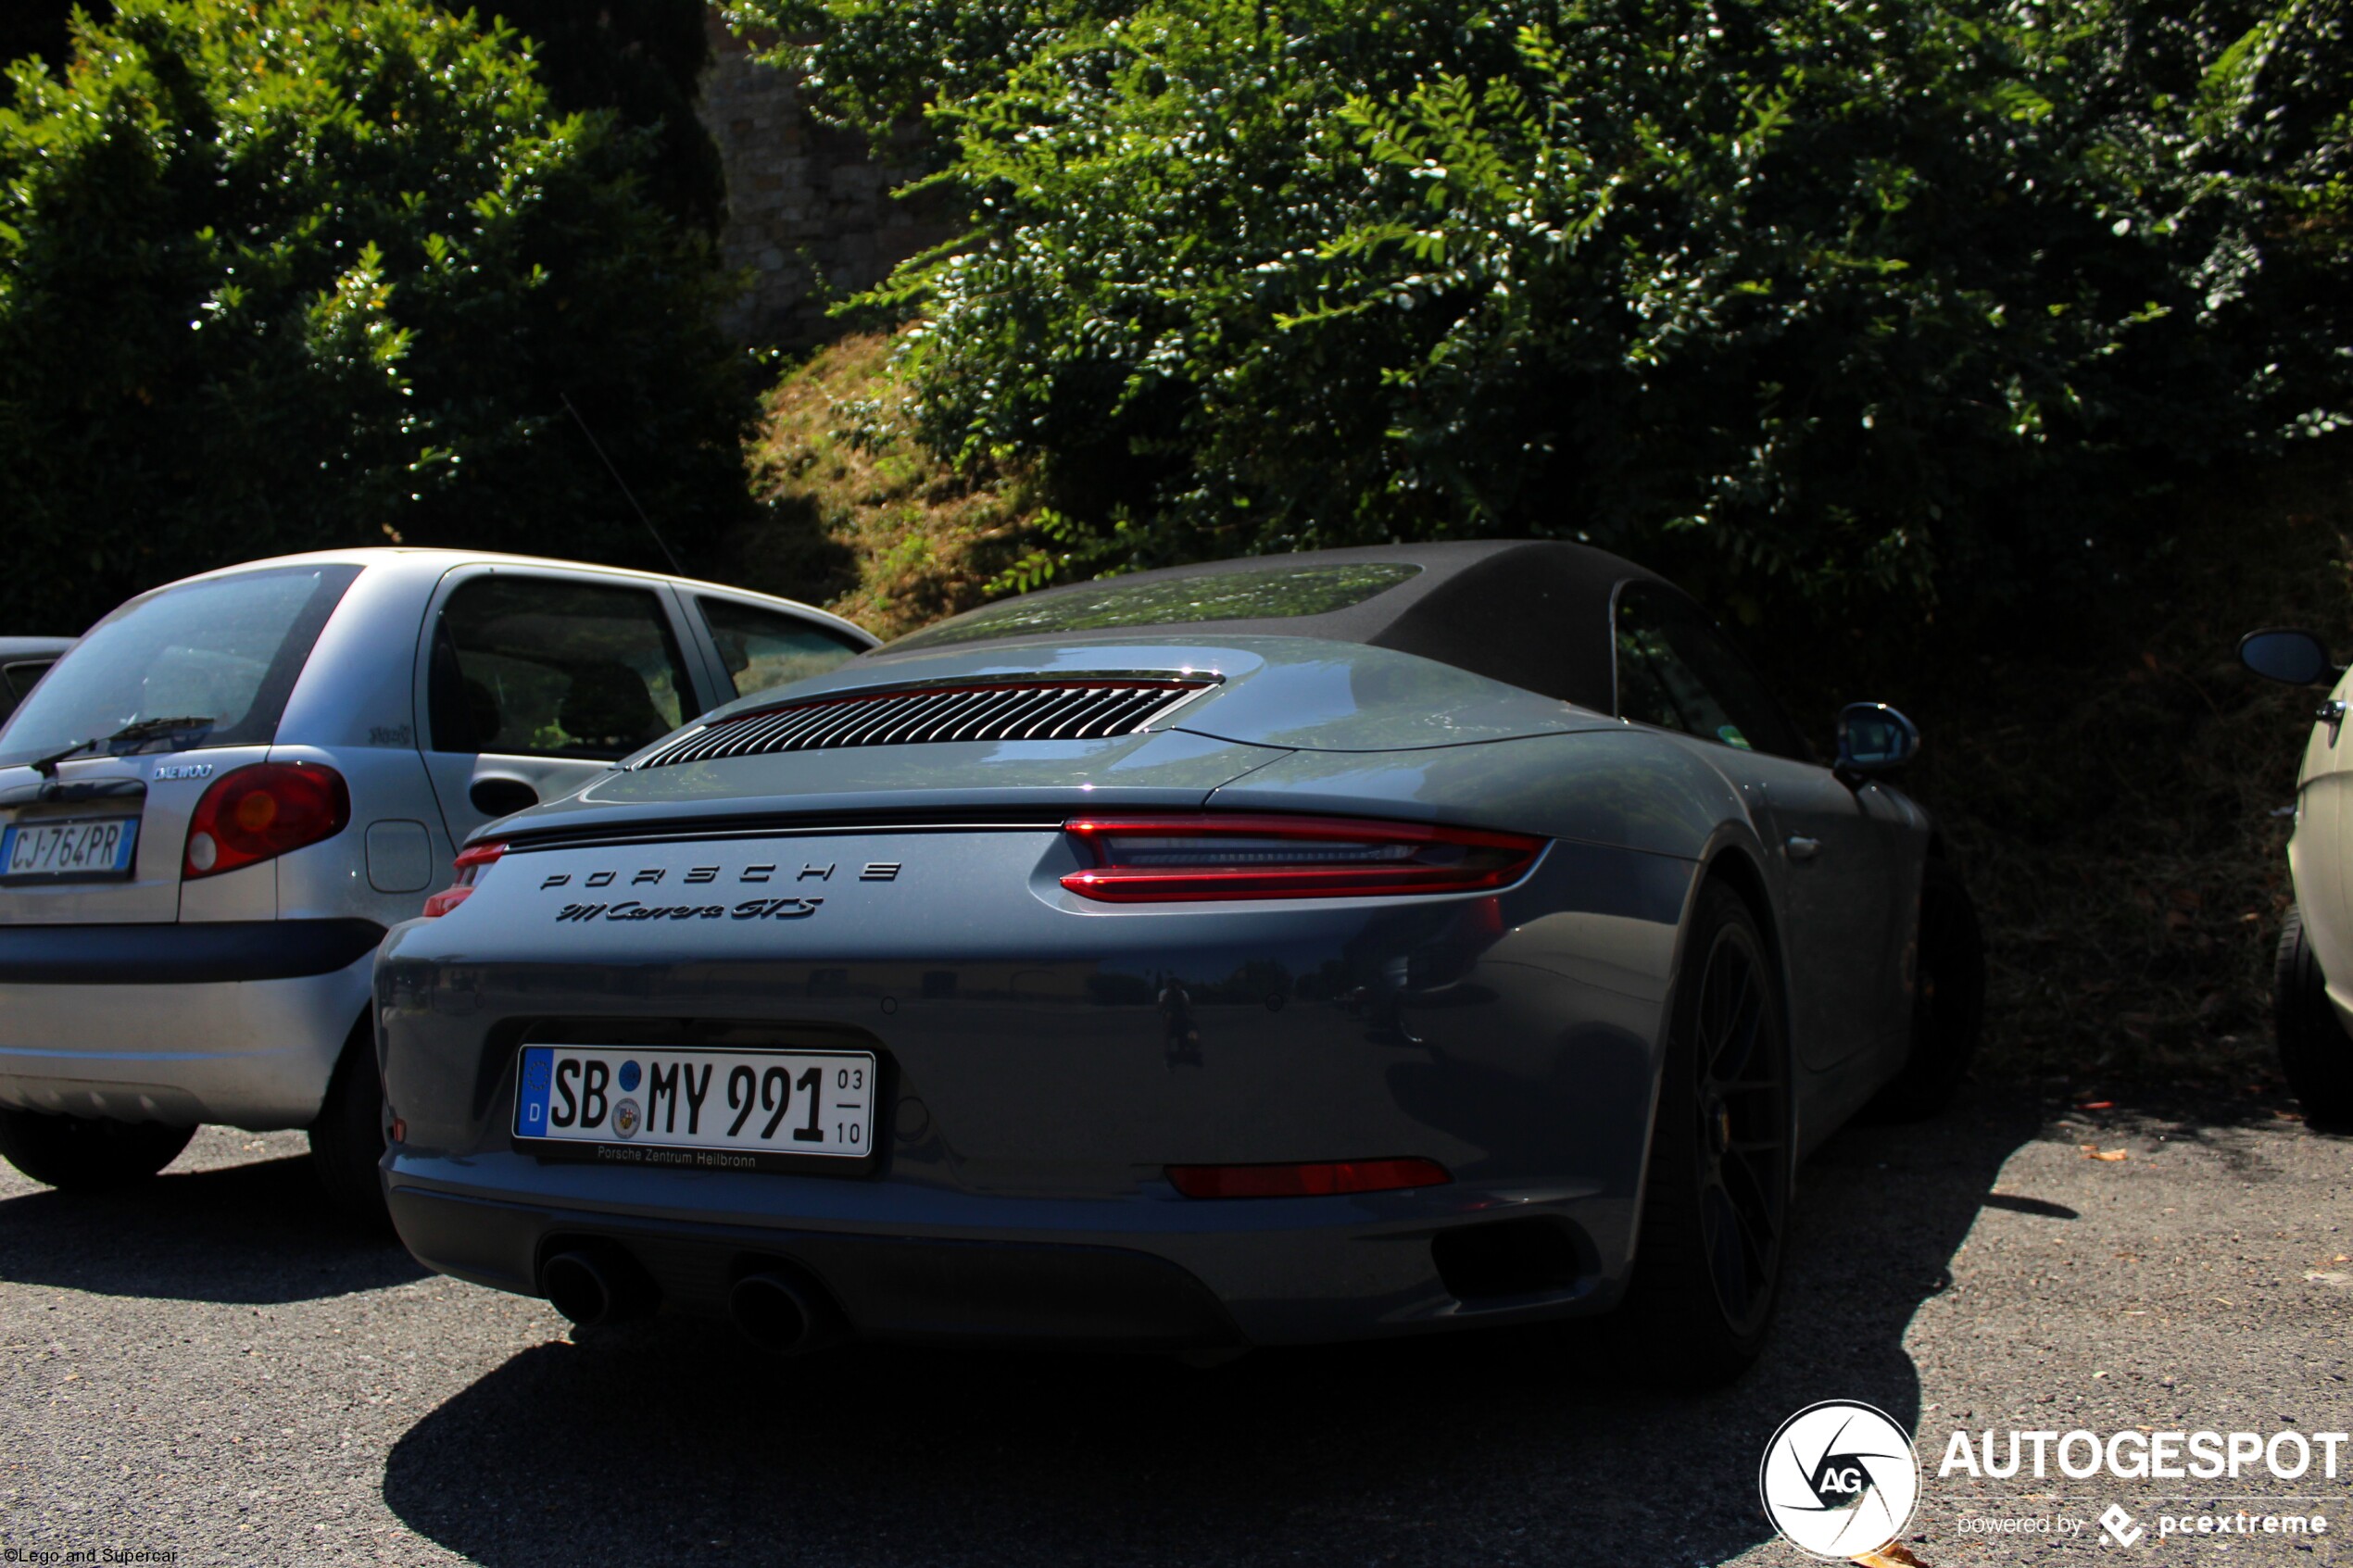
810	214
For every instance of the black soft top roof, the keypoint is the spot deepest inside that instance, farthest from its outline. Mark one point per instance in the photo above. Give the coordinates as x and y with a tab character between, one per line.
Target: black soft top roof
1532	613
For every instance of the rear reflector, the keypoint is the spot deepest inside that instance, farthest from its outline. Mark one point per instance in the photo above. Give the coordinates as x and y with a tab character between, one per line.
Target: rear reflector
1306	1181
471	863
1151	859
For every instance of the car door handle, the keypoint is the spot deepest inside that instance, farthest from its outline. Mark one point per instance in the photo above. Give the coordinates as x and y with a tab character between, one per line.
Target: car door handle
1803	848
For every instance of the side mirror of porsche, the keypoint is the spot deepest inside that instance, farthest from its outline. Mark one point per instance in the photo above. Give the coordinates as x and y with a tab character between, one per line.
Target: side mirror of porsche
2289	656
1873	739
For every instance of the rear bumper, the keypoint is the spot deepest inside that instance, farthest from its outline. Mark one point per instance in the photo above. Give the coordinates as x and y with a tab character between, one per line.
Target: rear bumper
180	1024
1041	1063
1155	1271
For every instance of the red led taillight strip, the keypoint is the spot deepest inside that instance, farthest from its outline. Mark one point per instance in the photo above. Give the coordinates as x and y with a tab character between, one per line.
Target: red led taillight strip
1211	855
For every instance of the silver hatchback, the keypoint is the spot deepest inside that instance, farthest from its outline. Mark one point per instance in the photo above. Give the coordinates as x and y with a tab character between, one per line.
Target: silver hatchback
215	805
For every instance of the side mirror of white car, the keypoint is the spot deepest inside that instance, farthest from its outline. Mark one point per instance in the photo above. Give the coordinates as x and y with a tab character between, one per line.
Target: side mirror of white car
1873	738
2291	657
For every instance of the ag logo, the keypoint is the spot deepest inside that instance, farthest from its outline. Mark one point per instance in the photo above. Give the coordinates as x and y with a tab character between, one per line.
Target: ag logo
1839	1479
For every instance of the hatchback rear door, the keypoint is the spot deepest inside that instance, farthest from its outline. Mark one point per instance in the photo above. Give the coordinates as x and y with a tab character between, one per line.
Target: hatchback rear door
535	680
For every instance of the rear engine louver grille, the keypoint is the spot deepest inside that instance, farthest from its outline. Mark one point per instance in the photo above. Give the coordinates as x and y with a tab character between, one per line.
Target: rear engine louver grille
995	711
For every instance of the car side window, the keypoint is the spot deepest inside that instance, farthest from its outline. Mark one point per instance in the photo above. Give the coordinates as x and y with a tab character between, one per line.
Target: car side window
543	667
1675	671
762	648
16	679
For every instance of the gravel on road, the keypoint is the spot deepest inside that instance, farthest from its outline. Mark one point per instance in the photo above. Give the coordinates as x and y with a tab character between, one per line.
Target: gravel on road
208	1367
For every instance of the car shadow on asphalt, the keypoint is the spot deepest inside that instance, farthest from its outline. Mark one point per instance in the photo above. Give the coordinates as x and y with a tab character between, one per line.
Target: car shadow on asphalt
673	1441
253	1234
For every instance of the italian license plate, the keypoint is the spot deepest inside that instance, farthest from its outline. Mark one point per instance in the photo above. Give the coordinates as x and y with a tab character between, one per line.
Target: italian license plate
714	1110
77	848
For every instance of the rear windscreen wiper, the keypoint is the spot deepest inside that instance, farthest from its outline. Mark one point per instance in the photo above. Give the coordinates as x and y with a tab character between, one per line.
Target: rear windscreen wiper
145	729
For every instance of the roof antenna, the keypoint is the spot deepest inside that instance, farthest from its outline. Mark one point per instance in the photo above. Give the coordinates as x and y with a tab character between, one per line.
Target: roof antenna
667	552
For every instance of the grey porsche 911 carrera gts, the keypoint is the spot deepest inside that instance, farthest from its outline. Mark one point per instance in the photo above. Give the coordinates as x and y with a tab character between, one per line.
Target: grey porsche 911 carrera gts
1294	948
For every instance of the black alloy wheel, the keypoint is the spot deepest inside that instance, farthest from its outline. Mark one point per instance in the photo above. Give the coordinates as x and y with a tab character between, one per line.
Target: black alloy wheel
1716	1202
1741	1095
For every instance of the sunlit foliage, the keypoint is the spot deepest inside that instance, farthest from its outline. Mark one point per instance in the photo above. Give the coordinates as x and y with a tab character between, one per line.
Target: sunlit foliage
278	274
1891	302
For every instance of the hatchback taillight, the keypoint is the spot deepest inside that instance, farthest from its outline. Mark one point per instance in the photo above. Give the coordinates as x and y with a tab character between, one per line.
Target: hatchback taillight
471	863
1151	859
262	811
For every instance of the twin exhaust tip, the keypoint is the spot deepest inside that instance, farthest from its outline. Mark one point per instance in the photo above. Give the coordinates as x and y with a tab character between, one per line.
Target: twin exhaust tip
780	1314
594	1287
775	1308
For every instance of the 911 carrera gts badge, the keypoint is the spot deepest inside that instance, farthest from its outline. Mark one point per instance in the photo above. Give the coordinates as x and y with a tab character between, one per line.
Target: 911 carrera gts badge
750	908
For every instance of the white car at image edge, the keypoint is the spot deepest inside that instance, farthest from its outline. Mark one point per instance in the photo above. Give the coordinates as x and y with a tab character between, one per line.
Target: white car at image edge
2312	980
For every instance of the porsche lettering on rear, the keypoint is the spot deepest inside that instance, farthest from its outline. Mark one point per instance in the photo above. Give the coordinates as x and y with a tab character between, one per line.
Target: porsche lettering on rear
874	871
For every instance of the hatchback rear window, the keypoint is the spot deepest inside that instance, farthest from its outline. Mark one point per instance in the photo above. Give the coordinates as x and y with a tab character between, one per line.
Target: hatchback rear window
222	653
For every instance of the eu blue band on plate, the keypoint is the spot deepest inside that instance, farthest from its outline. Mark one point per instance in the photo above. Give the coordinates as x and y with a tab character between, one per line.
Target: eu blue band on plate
531	1104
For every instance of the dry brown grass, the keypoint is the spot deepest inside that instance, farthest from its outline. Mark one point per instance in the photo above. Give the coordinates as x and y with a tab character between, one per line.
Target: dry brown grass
853	513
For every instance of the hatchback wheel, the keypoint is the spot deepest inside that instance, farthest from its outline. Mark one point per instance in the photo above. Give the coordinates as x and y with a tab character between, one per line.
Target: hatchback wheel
85	1154
2314	1051
348	1141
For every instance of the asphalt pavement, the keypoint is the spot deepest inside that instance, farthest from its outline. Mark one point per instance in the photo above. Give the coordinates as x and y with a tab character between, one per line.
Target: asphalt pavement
209	1368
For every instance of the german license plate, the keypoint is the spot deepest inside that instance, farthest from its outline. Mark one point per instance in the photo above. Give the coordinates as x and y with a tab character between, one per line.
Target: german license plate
67	850
717	1110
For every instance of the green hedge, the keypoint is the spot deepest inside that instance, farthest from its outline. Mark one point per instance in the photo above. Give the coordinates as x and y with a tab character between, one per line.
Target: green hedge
1870	303
278	274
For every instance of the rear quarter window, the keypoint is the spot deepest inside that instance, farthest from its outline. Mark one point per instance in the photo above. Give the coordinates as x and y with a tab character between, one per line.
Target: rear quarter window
762	649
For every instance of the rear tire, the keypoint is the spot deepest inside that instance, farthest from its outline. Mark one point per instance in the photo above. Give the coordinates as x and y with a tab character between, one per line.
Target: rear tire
348	1141
85	1153
2314	1051
1716	1205
1948	1003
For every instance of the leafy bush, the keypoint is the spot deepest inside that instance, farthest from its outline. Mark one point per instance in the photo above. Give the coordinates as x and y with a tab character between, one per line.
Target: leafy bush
278	274
1875	302
644	59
